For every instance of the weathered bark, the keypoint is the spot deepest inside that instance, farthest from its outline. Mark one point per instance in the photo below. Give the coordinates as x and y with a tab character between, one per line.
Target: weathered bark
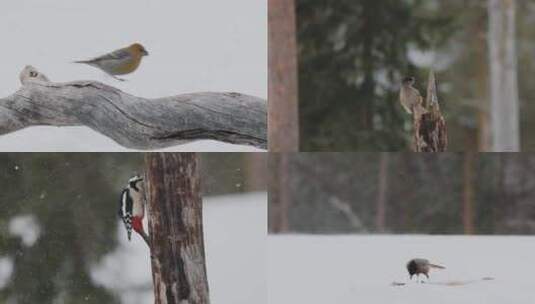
468	192
283	89
176	231
131	121
430	134
382	189
503	76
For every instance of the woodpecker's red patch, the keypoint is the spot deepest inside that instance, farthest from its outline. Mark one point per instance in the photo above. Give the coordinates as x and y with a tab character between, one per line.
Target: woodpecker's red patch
137	224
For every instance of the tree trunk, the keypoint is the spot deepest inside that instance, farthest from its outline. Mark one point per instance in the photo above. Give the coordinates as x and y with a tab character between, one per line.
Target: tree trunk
382	191
255	171
279	193
283	131
503	76
175	226
468	192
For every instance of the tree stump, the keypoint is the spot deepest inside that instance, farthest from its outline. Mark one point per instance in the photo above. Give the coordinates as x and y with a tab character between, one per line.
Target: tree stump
430	133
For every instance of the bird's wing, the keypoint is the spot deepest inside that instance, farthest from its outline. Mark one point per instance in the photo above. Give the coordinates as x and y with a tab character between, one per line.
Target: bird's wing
119	54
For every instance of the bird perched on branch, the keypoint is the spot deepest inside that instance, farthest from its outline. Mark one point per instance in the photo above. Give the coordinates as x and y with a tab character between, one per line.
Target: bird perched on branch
410	97
119	62
420	266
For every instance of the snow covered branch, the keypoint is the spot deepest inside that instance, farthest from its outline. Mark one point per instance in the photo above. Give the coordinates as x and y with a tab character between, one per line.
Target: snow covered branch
135	122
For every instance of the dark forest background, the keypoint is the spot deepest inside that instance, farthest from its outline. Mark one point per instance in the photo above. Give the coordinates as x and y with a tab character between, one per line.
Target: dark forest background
446	193
352	55
74	199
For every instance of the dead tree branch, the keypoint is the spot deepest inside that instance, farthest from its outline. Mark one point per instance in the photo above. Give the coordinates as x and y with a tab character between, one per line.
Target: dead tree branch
135	122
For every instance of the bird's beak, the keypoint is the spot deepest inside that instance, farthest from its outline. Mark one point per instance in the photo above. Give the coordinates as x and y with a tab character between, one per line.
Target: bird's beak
145	53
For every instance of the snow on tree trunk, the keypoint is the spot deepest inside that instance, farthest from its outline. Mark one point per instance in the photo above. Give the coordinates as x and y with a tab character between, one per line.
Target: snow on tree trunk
175	226
283	131
503	76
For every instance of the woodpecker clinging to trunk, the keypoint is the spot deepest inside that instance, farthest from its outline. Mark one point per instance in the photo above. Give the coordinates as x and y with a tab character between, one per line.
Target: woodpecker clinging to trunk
132	207
420	266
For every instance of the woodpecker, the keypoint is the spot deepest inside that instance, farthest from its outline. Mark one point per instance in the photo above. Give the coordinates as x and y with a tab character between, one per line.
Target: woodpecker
420	266
132	207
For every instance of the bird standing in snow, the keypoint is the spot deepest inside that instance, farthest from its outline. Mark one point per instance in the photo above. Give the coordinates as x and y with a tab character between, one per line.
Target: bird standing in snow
420	266
119	62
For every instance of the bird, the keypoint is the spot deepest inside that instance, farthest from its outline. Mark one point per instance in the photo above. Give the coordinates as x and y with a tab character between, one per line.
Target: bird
119	62
132	207
420	266
410	97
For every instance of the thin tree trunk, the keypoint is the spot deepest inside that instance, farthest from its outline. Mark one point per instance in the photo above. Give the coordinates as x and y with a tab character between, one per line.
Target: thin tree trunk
468	192
284	188
283	131
503	76
382	191
176	231
255	171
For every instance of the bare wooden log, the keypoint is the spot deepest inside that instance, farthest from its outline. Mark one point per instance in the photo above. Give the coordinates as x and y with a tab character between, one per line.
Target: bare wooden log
175	227
430	133
135	122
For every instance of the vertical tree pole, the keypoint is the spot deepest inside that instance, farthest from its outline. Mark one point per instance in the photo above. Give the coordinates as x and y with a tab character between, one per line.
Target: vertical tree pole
469	163
175	226
283	131
382	189
503	76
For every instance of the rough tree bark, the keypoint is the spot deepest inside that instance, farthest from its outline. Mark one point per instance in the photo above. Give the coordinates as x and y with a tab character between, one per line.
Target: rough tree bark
430	134
131	121
283	89
175	226
503	76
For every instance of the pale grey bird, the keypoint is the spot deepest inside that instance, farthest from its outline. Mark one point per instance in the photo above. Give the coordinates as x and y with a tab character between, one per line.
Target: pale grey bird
410	97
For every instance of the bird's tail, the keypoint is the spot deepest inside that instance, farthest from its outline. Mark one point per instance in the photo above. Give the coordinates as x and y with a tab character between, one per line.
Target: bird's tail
436	266
82	61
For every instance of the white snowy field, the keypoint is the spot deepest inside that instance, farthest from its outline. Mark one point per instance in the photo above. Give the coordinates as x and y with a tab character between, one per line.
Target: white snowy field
361	269
194	46
235	244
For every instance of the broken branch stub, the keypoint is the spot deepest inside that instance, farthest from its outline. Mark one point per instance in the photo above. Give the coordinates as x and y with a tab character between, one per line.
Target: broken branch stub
430	132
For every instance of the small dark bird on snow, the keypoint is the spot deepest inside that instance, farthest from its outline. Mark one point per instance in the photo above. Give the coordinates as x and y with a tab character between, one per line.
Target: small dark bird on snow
421	266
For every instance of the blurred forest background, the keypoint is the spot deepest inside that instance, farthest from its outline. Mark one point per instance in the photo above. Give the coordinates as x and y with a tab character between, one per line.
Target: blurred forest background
58	216
352	55
446	193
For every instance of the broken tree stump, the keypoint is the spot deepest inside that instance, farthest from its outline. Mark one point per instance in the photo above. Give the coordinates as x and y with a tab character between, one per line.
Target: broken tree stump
430	133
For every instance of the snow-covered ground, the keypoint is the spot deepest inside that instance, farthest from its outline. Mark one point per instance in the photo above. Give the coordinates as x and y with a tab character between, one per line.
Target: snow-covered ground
235	244
361	269
194	46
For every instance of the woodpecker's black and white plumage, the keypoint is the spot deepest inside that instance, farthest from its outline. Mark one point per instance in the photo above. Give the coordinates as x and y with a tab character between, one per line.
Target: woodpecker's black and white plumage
132	206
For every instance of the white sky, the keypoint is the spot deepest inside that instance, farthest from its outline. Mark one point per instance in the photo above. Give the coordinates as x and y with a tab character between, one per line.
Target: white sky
194	45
